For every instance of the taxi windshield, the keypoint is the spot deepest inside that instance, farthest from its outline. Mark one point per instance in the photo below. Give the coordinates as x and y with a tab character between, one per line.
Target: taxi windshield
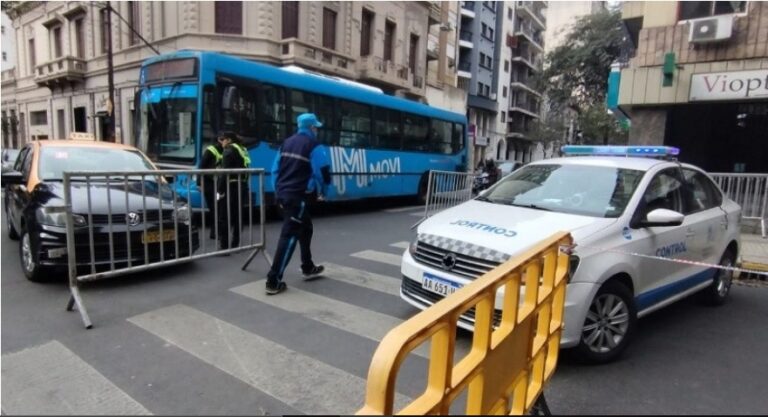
55	160
595	191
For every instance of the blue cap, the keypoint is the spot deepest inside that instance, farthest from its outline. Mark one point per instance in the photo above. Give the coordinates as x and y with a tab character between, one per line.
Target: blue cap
307	120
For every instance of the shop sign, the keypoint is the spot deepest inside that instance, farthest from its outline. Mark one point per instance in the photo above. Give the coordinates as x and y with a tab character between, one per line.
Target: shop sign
735	85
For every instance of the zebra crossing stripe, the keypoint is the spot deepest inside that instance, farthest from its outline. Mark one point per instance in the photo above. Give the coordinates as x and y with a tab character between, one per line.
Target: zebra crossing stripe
402	245
306	384
334	313
376	256
365	279
51	379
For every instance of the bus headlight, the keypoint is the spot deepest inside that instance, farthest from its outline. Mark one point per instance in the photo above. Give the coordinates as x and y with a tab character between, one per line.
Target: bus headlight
182	214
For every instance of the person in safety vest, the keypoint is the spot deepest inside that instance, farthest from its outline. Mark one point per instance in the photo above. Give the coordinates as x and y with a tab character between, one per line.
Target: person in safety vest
212	156
232	190
301	170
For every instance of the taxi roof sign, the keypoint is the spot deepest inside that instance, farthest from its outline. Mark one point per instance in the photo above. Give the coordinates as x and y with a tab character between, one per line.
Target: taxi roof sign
652	151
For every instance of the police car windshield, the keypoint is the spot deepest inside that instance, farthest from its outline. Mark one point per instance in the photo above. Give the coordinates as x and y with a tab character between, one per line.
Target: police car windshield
575	189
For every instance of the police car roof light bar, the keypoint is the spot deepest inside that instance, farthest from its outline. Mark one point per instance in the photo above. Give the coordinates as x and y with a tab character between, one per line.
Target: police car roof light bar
652	151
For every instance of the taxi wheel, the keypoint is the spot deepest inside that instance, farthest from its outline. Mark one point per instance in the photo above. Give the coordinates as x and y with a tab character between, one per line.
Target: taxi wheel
28	256
609	324
718	291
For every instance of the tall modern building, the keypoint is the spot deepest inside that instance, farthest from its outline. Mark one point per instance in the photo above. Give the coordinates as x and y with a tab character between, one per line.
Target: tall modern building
699	80
60	83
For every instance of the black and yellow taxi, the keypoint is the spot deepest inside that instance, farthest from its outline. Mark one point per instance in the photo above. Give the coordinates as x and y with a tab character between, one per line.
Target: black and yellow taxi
117	221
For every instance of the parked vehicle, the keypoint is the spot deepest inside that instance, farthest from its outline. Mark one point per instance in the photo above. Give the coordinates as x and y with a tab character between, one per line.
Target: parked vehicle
506	167
35	214
616	208
9	158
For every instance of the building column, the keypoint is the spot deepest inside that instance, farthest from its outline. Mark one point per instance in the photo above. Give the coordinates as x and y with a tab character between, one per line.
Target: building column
648	126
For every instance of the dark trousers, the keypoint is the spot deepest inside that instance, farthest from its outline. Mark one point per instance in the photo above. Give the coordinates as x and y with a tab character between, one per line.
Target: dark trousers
210	199
230	215
297	227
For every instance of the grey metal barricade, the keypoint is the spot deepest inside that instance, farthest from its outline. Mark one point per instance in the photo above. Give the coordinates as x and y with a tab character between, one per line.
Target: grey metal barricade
750	191
446	189
131	221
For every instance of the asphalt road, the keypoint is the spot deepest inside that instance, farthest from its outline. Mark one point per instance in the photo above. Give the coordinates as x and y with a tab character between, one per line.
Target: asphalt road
202	339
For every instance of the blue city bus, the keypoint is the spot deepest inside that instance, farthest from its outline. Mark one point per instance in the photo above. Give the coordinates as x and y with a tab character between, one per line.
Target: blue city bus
380	145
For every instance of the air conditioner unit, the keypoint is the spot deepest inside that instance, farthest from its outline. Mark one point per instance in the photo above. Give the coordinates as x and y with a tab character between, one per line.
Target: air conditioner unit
493	96
711	29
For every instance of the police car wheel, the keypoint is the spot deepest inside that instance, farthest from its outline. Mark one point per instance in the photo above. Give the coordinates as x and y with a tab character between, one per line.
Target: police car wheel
609	324
717	293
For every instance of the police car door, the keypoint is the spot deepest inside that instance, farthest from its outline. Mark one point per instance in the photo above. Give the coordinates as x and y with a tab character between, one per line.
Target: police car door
705	219
657	278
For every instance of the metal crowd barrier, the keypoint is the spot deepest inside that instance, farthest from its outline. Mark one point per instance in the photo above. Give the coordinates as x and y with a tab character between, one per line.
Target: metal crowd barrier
750	191
511	360
446	189
129	222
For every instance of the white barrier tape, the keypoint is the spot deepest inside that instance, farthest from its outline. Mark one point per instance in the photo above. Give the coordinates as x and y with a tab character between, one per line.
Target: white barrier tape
683	261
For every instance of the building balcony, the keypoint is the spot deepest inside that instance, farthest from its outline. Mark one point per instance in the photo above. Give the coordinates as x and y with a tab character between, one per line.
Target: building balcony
373	68
435	12
296	52
464	69
530	60
433	49
417	82
9	76
468	9
529	9
67	69
526	107
523	85
532	37
465	39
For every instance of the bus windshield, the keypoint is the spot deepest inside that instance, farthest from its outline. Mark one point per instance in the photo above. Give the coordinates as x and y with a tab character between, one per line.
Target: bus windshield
166	123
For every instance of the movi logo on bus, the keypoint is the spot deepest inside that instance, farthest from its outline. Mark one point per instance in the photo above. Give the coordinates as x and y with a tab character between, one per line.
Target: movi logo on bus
352	165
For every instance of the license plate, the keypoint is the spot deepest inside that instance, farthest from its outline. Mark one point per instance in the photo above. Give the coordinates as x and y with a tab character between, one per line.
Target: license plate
439	285
153	236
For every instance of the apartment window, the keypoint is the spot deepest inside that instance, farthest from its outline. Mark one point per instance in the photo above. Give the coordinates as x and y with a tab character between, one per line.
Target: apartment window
134	21
696	9
3	31
490	33
290	19
79	38
366	28
504	91
229	17
412	53
487	90
506	65
329	29
389	38
104	20
503	117
56	33
32	57
38	118
509	13
483	28
5	56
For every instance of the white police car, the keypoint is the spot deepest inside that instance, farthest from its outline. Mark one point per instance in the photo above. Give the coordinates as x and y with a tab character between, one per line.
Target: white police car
624	213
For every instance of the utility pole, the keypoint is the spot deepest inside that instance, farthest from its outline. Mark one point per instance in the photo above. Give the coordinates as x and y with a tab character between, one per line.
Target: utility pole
110	134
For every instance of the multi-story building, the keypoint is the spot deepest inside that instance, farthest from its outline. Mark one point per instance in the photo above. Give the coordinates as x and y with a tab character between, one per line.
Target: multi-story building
61	77
699	81
9	118
478	72
522	44
442	57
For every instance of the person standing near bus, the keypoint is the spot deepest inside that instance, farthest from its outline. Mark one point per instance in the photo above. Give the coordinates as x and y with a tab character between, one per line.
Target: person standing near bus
300	171
232	189
212	157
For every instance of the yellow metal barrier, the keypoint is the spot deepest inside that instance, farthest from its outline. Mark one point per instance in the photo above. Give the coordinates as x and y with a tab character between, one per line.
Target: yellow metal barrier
508	364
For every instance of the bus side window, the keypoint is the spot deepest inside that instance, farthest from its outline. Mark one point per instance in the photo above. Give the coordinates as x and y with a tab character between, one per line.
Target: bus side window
387	133
415	129
458	137
440	136
355	129
325	108
209	112
273	113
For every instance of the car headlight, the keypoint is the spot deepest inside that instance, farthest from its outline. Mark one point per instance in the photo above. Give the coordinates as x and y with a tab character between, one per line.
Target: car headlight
573	264
182	214
412	247
57	216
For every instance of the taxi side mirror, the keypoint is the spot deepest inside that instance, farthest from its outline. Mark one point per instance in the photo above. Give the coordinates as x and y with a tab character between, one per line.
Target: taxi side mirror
12	178
662	218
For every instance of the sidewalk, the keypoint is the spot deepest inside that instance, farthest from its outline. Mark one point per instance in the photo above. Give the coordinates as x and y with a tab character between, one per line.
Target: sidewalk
754	252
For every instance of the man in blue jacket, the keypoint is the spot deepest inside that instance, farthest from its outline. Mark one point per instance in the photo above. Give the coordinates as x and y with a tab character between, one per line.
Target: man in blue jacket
301	170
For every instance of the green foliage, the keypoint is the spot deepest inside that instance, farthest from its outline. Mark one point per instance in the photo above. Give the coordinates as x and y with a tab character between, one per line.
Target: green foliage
598	127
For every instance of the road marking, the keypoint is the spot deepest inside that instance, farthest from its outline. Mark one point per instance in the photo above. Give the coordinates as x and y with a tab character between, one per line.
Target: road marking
402	245
401	209
338	314
383	257
51	379
306	384
365	279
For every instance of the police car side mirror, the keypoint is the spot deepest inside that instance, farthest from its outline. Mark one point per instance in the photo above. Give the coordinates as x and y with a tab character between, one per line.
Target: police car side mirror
662	218
12	178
